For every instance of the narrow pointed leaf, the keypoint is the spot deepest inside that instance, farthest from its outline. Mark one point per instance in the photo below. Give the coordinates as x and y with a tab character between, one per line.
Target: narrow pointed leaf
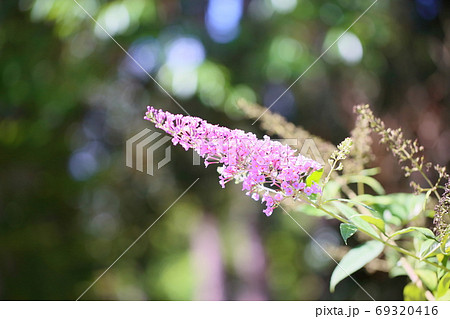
310	210
424	231
370	181
351	202
347	231
349	212
377	222
371	171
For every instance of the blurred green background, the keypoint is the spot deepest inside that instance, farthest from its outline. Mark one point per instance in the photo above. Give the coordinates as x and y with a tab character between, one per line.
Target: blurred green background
70	98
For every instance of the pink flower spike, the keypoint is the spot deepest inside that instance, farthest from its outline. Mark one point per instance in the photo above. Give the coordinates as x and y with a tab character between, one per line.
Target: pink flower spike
242	156
308	191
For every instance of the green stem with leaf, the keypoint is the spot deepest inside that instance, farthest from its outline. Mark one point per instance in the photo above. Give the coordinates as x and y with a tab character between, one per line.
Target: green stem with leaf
385	242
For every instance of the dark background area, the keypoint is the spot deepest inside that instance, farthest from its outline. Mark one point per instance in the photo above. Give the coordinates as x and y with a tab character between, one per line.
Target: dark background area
70	98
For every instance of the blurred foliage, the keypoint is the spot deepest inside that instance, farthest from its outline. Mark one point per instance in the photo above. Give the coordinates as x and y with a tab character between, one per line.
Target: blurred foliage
70	98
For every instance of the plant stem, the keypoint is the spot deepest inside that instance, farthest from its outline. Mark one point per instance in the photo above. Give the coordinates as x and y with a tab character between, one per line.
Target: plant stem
385	242
332	167
415	278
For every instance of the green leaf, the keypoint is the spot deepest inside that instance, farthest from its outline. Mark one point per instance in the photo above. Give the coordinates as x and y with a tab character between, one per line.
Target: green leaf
397	271
442	259
331	190
444	297
428	249
377	222
445	244
347	231
392	258
370	181
371	171
373	199
413	293
397	209
310	210
443	289
314	177
428	277
354	260
357	221
424	231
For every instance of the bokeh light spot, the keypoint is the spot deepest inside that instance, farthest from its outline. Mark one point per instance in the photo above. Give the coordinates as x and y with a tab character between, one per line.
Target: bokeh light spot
82	165
222	19
185	53
184	83
284	6
115	20
146	53
350	48
211	84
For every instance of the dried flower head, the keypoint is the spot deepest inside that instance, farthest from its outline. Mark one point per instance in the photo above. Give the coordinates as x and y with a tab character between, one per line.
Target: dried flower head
442	212
268	170
404	149
407	151
336	158
343	149
361	154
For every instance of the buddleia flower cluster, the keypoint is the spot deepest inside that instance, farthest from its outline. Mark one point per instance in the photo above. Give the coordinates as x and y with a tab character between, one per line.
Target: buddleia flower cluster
268	170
